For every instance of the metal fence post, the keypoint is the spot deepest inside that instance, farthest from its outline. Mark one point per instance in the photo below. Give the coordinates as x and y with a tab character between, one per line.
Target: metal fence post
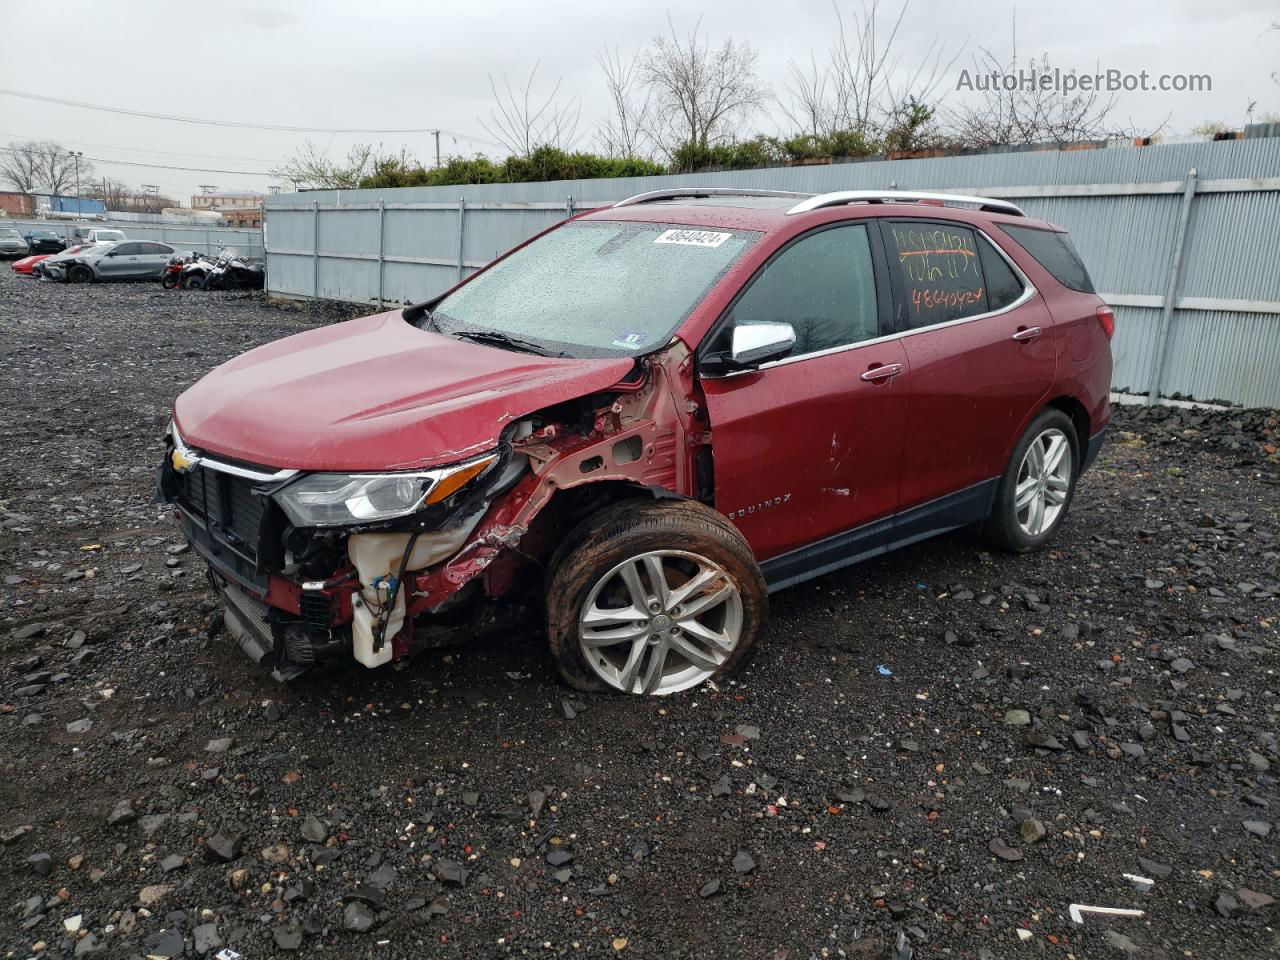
208	247
1171	289
315	249
462	213
568	207
382	241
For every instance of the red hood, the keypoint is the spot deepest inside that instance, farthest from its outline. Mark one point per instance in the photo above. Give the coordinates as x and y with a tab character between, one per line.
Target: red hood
374	394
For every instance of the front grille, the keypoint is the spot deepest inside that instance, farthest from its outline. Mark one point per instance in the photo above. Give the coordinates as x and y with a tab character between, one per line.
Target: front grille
227	504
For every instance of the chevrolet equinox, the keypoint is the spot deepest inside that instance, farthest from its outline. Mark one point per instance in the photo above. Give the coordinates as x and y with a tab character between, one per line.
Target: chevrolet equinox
641	422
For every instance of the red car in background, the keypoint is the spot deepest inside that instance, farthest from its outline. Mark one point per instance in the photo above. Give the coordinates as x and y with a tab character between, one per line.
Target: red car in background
26	265
643	421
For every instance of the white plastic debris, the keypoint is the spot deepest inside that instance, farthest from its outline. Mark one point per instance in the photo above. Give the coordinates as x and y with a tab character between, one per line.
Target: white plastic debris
1077	910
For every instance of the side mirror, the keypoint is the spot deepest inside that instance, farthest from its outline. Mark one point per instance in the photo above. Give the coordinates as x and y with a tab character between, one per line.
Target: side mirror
757	343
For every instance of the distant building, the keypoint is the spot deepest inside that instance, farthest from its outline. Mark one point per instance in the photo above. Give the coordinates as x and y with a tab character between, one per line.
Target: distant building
226	201
237	209
16	204
242	217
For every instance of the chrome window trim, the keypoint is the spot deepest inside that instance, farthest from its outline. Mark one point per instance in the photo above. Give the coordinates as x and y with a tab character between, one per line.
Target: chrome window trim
195	457
1029	292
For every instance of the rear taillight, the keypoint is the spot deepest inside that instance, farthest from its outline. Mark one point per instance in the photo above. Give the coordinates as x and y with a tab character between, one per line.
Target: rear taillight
1107	317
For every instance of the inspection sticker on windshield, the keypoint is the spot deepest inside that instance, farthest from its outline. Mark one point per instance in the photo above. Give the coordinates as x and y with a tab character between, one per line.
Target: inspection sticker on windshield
693	238
631	340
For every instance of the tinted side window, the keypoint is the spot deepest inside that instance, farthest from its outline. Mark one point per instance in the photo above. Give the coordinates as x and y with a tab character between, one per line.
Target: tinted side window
128	250
1003	285
155	248
823	285
1055	253
940	270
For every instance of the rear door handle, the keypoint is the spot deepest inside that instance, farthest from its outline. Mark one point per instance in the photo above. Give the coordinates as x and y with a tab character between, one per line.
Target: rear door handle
882	372
1026	334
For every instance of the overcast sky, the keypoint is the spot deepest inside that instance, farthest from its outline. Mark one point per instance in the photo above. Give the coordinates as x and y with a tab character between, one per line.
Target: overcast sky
384	64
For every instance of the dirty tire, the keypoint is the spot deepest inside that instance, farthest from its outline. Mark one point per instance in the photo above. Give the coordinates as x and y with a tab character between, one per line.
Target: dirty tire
629	529
80	274
1002	529
169	281
193	281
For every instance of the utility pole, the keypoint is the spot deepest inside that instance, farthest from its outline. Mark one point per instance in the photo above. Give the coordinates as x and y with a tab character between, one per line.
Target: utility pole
76	155
437	133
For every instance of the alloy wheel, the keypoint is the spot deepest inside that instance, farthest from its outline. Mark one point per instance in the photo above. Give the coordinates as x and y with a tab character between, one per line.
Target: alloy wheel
660	622
1044	481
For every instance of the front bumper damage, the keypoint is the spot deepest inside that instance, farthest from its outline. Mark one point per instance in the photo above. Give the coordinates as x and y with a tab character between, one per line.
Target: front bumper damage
472	565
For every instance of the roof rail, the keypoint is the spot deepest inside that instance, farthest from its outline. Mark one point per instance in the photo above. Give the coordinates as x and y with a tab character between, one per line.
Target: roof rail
675	193
841	197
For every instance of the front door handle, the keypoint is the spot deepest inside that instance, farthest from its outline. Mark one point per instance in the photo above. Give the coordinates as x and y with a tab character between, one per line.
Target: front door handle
883	372
1027	334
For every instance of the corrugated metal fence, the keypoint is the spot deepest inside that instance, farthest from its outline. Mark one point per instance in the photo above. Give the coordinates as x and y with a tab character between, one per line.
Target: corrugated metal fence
183	236
1219	340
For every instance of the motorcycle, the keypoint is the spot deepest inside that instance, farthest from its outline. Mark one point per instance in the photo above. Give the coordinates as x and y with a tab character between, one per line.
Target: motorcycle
233	272
171	279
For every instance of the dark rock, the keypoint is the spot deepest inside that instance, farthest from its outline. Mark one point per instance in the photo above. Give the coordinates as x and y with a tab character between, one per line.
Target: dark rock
743	862
122	813
449	871
709	889
357	916
41	864
222	847
288	936
1002	850
313	830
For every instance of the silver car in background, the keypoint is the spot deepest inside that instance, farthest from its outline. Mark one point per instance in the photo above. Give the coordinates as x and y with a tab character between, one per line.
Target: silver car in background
12	244
126	260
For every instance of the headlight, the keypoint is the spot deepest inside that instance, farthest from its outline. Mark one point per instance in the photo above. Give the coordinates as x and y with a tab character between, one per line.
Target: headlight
336	499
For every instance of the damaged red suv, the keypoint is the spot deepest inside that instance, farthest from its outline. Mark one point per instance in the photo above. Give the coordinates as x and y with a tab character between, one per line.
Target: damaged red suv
641	422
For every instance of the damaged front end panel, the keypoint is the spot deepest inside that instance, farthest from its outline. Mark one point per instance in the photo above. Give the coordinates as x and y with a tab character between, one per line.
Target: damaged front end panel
375	566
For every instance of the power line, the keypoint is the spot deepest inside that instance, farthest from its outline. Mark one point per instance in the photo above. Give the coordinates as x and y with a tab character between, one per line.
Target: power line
232	123
111	146
162	166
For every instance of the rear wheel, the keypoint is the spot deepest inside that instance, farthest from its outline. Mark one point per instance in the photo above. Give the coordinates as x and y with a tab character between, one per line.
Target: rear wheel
169	281
1038	484
79	273
193	281
653	598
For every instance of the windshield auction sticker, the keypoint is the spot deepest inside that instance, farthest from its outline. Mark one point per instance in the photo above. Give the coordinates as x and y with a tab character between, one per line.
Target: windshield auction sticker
693	238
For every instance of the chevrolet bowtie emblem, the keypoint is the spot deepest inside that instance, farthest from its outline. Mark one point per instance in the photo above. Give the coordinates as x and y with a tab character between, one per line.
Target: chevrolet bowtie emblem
181	462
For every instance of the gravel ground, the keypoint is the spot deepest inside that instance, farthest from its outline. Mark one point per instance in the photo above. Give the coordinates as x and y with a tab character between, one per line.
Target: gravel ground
943	743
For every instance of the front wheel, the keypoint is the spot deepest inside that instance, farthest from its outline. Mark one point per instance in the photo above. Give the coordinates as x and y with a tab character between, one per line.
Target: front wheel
653	598
193	281
1038	484
80	274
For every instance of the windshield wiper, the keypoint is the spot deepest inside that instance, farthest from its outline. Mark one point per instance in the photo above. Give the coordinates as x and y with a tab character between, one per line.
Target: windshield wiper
498	339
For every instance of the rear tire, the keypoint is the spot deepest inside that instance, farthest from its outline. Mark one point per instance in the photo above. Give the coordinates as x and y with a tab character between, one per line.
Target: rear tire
193	281
1036	489
169	281
79	273
622	616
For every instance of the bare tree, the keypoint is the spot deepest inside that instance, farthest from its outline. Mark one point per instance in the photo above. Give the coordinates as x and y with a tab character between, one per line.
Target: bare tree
700	93
311	167
625	131
523	122
1009	111
38	165
809	105
865	86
